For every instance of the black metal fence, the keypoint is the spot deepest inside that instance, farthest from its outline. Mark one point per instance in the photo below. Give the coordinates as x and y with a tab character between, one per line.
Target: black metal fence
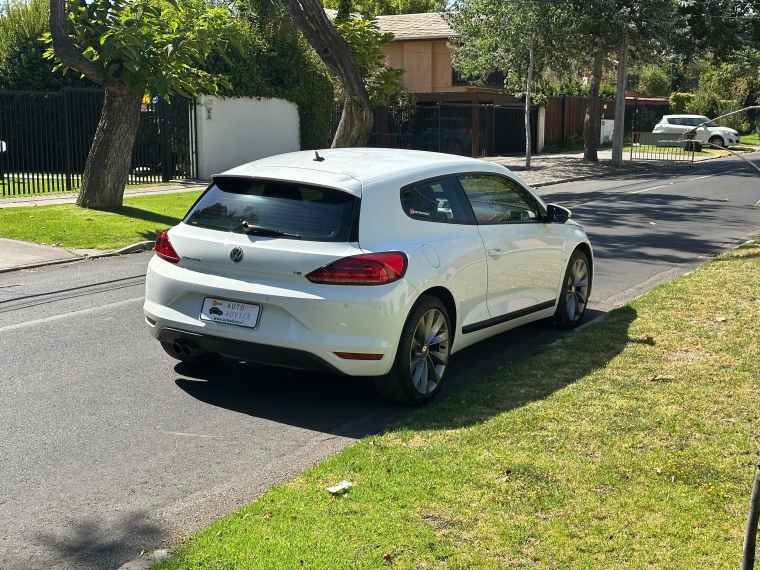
466	130
46	137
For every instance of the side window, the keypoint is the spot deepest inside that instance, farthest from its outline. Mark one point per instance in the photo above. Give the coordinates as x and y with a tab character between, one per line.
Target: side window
497	200
436	201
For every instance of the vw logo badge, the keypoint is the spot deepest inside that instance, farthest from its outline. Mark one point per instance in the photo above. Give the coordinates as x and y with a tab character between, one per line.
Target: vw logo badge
236	255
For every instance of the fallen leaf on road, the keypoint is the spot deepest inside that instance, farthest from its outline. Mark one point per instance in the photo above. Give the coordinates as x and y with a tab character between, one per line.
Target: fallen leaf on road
726	200
653	223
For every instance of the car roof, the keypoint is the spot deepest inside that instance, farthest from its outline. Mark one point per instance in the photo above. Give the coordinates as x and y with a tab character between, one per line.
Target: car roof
350	169
684	116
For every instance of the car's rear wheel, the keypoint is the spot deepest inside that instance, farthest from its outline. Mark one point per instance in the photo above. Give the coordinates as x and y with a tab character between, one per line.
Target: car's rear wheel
422	355
716	140
186	353
573	299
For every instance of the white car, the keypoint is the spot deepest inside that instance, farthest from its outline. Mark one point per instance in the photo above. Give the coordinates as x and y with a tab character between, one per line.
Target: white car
365	262
711	132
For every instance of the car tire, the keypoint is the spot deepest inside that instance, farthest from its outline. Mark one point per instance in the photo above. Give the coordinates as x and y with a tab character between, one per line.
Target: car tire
716	140
422	356
202	359
573	298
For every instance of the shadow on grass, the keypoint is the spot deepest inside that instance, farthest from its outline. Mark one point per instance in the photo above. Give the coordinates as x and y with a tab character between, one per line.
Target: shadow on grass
146	216
96	544
348	406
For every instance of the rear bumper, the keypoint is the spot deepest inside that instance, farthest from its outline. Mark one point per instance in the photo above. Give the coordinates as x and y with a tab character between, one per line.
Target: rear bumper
273	355
297	318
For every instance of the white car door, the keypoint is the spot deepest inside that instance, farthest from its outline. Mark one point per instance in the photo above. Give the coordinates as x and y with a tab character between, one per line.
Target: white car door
524	254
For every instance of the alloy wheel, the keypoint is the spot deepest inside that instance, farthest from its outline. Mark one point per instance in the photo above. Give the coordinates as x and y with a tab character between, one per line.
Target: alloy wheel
576	290
429	351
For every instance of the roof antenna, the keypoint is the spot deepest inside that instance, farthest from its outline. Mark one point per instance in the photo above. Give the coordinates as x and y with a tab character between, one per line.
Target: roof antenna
318	158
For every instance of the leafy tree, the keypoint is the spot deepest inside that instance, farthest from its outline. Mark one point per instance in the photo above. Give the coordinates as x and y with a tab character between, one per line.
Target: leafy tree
134	48
601	28
365	42
517	38
22	65
653	81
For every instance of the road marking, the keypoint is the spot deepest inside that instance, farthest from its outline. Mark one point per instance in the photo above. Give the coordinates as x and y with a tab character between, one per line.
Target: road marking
71	314
193	434
701	177
646	189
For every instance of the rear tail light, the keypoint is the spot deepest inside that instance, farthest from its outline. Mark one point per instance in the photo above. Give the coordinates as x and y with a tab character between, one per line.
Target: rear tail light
365	269
164	248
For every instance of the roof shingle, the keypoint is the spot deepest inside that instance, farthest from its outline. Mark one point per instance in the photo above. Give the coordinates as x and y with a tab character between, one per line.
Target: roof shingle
425	26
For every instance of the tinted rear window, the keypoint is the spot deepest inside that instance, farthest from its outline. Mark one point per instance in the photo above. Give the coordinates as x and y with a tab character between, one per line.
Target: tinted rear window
314	213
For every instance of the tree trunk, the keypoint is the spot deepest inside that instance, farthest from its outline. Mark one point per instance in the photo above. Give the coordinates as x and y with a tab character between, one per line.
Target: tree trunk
750	536
356	120
107	169
589	123
527	107
617	133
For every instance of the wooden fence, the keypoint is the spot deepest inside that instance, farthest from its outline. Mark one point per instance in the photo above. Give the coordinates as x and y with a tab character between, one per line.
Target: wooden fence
565	117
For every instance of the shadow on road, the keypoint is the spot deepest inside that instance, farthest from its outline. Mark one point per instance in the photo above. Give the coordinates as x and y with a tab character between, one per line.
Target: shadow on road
94	544
343	405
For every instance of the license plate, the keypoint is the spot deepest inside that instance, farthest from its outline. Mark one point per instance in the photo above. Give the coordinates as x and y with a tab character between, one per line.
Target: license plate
230	312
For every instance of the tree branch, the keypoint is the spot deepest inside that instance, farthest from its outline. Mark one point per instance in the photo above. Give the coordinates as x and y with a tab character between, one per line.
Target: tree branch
71	57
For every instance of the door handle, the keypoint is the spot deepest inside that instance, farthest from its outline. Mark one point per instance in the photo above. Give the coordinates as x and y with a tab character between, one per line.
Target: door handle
495	252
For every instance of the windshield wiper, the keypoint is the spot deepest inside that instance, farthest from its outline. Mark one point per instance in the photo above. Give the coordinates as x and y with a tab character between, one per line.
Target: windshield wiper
262	231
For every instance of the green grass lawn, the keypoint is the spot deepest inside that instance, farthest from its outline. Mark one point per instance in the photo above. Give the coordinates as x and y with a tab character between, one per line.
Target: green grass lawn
137	220
627	446
750	139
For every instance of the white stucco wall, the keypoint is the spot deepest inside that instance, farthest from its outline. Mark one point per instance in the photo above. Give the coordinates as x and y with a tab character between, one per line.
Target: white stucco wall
233	131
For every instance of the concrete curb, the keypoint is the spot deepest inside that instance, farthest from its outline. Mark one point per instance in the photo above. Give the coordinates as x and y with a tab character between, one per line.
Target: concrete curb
145	563
136	247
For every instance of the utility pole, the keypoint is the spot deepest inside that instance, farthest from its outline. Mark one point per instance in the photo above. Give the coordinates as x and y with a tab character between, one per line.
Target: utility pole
617	133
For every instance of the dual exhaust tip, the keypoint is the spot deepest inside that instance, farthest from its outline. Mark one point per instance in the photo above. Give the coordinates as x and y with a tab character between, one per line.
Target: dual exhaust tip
185	349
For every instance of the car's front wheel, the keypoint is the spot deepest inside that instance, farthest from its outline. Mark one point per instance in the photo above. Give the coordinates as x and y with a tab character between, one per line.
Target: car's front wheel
573	298
716	140
422	355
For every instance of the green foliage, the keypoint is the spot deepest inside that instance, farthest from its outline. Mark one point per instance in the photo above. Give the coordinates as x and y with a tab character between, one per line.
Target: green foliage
365	42
22	65
607	91
275	61
653	81
678	102
155	47
371	8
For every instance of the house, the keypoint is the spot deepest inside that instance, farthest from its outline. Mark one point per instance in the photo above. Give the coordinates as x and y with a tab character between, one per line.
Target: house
420	47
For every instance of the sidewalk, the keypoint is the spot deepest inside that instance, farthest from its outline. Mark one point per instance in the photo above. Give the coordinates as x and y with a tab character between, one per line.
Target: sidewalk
51	199
555	168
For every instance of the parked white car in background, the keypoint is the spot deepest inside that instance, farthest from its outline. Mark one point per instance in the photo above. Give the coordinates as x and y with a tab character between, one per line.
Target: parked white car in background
712	132
366	262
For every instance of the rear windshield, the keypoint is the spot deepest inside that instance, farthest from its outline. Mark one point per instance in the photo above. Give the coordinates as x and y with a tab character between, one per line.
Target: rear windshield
307	212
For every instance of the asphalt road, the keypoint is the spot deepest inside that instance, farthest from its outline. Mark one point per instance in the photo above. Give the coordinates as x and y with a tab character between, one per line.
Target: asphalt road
108	447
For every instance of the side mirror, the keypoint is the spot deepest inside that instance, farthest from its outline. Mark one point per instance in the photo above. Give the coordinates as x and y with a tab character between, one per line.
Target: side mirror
557	214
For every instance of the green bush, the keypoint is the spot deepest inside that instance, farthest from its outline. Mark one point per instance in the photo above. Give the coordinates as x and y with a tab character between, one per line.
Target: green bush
678	102
277	62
